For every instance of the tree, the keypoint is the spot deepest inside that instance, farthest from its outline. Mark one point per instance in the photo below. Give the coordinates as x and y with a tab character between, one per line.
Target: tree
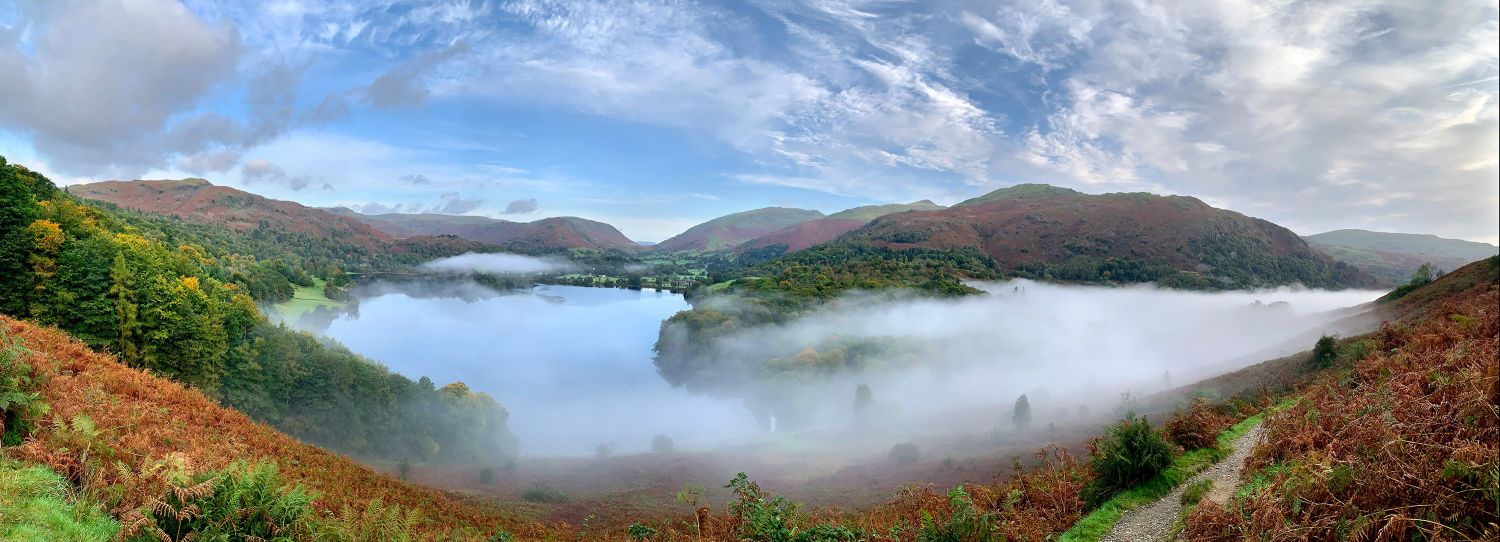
1325	351
863	397
1021	415
126	311
662	444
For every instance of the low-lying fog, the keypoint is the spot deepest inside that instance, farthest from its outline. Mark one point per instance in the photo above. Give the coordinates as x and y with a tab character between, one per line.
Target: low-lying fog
574	365
571	364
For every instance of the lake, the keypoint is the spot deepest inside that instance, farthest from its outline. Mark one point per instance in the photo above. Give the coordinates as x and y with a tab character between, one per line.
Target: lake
572	364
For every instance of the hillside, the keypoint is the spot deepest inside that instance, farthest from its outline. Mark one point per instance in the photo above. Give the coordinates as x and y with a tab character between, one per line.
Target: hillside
1053	233
547	233
814	232
1395	256
100	407
729	231
201	201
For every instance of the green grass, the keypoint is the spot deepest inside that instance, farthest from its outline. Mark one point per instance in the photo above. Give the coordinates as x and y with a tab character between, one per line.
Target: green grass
1099	522
34	507
304	300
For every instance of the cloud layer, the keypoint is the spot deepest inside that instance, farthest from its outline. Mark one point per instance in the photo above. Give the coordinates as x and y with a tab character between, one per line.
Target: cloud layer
1317	115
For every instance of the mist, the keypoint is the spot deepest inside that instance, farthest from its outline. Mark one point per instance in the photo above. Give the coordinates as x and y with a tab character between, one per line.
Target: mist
574	365
474	262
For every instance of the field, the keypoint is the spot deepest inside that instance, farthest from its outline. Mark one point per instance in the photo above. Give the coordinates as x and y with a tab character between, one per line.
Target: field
305	300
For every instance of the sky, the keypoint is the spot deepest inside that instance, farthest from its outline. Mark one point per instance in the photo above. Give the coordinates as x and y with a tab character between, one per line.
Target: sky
656	115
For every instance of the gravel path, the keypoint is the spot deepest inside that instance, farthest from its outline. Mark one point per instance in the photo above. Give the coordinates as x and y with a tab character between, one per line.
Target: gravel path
1153	521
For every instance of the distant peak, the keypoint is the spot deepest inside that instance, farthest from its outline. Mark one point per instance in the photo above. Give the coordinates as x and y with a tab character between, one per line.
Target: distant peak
1022	191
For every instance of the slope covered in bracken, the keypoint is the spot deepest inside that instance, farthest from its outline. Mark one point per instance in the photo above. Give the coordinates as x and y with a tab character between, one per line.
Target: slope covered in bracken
1054	233
547	233
102	412
1403	443
199	200
814	232
729	231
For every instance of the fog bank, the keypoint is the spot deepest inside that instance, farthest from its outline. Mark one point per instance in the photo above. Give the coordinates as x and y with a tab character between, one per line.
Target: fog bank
475	262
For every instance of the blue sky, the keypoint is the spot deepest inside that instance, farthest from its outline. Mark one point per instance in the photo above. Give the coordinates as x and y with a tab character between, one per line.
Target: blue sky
656	115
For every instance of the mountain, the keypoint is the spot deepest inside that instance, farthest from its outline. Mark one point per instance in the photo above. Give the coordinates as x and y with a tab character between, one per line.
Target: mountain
202	201
813	232
1054	233
1395	256
547	233
729	231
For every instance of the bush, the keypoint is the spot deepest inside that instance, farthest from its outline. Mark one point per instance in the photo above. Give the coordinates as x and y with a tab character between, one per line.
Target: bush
486	476
239	503
1325	352
966	523
1197	427
662	444
1132	452
905	453
20	402
543	493
640	532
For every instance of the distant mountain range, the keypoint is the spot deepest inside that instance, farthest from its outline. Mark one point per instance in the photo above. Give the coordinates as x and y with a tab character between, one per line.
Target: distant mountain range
1028	229
547	233
1395	256
1051	232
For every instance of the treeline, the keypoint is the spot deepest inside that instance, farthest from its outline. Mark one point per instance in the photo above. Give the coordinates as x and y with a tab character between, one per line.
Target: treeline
188	311
780	290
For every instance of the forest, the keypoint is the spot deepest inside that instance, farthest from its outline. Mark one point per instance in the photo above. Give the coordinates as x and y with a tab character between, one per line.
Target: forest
181	301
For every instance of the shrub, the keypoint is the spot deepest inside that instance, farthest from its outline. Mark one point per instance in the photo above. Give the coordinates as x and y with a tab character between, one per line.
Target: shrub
403	469
1196	427
1325	352
662	444
966	522
239	503
376	522
640	532
20	402
486	476
1132	452
761	519
543	493
905	453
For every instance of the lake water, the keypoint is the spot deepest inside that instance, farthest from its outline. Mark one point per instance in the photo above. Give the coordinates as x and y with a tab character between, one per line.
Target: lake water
572	364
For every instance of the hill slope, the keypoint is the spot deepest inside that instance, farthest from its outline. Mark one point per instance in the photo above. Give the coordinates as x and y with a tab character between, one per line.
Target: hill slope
547	233
1054	233
140	420
202	201
729	231
1395	256
814	232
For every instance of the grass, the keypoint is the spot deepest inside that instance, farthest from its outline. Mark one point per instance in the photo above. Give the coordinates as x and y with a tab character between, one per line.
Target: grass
1103	519
34	507
306	299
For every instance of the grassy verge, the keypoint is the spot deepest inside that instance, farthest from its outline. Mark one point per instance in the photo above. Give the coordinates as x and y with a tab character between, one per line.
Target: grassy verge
34	507
305	299
1099	522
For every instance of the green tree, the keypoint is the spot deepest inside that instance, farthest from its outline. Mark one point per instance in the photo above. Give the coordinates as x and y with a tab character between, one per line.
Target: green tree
1325	351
